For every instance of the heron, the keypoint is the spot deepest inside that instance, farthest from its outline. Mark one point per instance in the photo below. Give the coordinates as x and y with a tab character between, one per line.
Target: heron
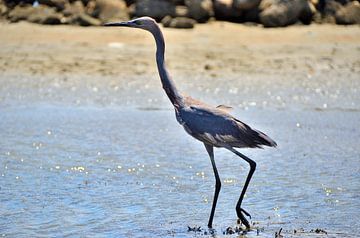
213	126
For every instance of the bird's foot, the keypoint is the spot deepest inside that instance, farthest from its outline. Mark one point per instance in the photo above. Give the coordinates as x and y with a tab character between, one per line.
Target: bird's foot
242	219
246	213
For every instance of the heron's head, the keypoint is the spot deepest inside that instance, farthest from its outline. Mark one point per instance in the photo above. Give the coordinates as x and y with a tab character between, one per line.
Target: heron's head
146	23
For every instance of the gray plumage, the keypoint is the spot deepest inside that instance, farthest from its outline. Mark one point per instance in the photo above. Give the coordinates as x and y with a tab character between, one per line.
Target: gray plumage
218	128
213	126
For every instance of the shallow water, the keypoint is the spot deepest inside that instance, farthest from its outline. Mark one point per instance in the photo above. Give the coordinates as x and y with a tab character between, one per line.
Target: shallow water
99	171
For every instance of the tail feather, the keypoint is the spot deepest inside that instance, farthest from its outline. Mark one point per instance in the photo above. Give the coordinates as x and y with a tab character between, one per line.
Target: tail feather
253	138
262	139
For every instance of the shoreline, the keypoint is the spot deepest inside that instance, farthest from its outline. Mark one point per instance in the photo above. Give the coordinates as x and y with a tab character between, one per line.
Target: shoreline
217	59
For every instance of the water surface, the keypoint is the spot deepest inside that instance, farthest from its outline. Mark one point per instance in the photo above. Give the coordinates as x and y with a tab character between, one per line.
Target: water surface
129	172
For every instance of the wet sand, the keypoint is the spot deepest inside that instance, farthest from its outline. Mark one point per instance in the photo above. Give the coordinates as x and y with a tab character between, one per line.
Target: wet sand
92	65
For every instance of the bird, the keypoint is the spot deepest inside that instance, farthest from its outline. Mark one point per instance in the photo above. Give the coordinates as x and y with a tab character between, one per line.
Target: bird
213	126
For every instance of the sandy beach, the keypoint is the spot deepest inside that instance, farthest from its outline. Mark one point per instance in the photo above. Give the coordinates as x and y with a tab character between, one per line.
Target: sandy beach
106	60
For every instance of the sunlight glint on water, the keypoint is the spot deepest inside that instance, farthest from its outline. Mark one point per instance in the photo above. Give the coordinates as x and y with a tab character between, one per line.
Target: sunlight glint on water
124	171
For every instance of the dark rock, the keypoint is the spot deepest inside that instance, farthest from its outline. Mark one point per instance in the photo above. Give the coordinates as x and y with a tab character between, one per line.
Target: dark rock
349	14
178	22
156	9
246	4
329	10
200	10
224	10
343	2
177	2
331	7
84	2
277	13
130	2
111	10
58	4
251	15
307	14
41	14
13	3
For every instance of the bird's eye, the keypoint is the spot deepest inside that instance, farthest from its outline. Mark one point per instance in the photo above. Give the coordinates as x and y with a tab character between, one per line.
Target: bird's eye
138	23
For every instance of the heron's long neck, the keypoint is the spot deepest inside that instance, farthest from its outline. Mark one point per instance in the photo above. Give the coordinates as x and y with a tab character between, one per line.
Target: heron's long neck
166	81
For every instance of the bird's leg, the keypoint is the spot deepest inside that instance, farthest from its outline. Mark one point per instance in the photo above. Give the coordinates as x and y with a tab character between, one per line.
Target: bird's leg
239	210
210	151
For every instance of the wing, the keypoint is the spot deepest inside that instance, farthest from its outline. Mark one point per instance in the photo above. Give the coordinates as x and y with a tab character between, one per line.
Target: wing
218	128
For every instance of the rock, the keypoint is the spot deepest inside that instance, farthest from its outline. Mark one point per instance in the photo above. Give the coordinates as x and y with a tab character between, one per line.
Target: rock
181	11
277	13
178	22
156	9
329	9
3	9
13	3
307	14
224	10
177	2
251	15
84	2
46	17
86	20
74	9
200	10
246	4
129	2
349	14
20	13
41	14
166	21
75	13
90	8
58	4
314	13
111	10
131	10
344	2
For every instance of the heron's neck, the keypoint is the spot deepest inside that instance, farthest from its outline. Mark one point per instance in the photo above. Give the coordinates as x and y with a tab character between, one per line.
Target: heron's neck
166	81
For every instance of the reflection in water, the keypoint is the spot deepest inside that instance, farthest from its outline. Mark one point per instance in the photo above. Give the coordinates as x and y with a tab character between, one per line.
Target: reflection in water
128	172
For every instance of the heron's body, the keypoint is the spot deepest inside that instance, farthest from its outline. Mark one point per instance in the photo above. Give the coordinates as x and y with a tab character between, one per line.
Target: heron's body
217	127
213	126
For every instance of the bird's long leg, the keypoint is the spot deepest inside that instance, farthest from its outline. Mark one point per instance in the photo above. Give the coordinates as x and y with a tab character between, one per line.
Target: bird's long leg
251	172
210	151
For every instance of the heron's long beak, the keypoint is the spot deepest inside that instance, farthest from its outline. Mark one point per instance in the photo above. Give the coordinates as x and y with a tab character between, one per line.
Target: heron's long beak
117	24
